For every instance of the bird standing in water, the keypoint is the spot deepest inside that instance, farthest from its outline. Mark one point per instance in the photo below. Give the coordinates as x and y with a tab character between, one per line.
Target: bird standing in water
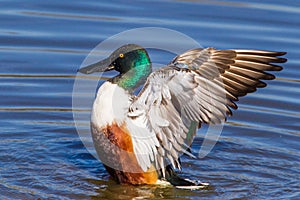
140	138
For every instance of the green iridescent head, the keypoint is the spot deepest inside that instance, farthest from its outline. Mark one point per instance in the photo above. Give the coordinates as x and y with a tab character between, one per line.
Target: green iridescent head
133	63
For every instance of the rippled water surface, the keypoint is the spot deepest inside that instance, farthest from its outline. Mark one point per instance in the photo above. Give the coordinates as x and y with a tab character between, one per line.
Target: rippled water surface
42	45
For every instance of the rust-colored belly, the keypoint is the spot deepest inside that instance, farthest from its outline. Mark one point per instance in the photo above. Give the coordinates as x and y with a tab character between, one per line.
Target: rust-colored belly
115	149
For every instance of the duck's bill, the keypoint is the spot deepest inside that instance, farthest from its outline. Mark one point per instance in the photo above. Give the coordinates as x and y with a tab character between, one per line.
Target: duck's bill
101	66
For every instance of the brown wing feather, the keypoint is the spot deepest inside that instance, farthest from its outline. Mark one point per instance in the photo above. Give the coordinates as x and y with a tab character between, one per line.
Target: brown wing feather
241	71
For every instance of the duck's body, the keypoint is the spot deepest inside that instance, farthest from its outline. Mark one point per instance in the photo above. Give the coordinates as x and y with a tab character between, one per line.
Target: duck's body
140	138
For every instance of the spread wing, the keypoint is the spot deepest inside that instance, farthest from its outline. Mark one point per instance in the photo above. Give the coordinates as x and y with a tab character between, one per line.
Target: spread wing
198	86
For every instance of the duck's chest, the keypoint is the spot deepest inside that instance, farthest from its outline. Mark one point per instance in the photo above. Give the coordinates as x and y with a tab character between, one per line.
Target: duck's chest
110	106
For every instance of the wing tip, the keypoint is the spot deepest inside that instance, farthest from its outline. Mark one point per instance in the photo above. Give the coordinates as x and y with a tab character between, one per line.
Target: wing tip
281	53
260	52
282	60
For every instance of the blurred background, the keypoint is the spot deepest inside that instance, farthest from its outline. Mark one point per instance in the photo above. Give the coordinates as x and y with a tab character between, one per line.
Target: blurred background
43	43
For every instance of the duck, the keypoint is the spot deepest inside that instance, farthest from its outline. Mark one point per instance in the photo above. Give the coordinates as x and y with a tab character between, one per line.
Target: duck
144	120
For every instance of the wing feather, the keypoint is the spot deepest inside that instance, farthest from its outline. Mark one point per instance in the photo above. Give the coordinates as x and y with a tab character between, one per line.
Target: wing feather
198	86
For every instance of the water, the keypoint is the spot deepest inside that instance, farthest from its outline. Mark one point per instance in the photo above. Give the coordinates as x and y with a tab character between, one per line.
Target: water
44	43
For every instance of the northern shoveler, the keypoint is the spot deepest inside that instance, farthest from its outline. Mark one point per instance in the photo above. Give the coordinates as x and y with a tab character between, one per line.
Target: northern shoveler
140	138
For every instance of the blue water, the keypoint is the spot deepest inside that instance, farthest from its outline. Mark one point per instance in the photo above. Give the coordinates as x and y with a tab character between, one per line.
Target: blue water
42	45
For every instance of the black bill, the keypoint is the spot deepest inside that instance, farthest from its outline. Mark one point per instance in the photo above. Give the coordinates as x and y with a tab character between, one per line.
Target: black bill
101	66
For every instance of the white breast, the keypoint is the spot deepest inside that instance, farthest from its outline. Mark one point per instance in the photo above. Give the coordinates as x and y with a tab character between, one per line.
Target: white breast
110	106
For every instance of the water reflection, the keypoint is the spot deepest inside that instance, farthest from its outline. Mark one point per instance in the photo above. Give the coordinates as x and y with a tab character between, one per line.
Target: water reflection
111	190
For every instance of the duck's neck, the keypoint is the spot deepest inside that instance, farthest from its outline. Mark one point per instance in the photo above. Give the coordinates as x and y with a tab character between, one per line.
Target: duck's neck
137	74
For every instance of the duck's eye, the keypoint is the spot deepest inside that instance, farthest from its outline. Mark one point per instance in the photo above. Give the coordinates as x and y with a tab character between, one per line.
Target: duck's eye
121	55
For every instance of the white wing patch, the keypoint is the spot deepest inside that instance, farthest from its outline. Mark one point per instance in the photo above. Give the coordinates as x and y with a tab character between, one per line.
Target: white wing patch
156	122
144	140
